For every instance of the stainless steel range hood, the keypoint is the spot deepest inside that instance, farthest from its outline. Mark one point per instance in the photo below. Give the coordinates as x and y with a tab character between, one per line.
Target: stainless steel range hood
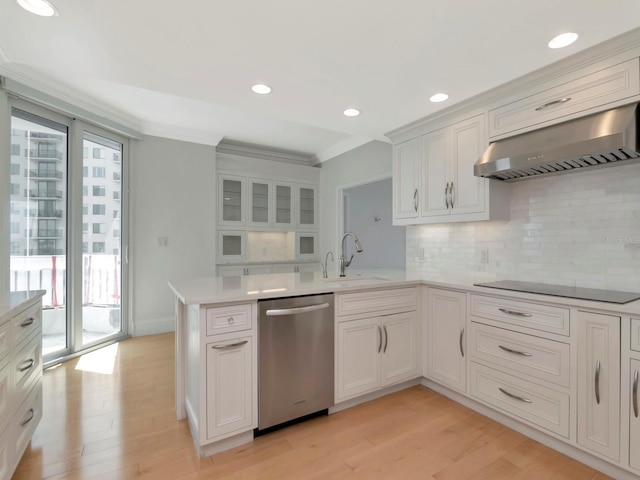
598	140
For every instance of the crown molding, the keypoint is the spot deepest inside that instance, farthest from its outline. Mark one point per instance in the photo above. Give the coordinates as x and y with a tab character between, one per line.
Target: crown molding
602	55
181	134
344	146
264	153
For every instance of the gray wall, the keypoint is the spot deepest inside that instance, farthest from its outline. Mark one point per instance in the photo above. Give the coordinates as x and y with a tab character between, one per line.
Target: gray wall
369	163
369	215
173	195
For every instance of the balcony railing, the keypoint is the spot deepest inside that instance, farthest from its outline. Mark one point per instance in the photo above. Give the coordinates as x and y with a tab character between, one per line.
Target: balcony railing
43	174
49	233
50	136
35	193
116	176
43	154
46	213
46	251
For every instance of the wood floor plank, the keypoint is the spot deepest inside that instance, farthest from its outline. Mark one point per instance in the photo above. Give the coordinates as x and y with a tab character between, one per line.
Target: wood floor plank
122	426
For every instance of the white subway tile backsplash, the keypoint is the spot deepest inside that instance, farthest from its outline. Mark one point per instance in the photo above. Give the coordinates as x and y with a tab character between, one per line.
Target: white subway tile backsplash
579	229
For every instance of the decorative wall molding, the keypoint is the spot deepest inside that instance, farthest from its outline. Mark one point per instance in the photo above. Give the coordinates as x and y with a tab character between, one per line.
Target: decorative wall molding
263	153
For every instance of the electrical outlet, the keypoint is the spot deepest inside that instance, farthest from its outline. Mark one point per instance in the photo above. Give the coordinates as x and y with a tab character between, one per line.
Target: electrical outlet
485	256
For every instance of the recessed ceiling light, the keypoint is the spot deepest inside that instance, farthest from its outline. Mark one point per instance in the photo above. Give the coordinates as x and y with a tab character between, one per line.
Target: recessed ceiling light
563	40
438	97
261	89
351	112
39	7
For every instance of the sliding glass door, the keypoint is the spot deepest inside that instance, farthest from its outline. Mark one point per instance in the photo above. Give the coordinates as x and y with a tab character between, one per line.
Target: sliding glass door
67	208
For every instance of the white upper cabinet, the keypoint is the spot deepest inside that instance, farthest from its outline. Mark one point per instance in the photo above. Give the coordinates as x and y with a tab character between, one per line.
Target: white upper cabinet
260	210
283	204
307	206
231	201
434	182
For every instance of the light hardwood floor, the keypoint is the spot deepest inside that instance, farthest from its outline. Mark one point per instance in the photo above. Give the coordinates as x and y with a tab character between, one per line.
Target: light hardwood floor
122	425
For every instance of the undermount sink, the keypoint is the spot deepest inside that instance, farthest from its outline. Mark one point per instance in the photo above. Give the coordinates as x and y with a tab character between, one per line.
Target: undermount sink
356	278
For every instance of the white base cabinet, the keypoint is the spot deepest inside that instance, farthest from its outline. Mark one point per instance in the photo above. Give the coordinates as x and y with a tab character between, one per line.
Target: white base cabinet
599	383
634	415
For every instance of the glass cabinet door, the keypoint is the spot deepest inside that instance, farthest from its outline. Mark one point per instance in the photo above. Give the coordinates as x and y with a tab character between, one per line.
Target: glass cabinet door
306	245
260	192
283	204
307	204
231	190
231	245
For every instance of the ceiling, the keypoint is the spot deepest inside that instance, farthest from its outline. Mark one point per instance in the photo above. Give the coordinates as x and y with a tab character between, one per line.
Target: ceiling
168	70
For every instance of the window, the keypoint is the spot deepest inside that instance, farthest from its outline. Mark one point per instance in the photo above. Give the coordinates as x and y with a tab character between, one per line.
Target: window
98	247
85	247
116	251
15	210
99	209
116	214
15	149
85	191
15	188
99	228
47	150
99	172
97	153
47	228
47	208
99	191
85	171
116	195
46	247
15	169
85	209
15	227
116	233
85	154
85	228
15	248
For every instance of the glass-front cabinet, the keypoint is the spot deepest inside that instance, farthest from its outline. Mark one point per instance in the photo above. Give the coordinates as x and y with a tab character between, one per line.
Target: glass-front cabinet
283	204
306	245
231	245
260	213
231	201
307	206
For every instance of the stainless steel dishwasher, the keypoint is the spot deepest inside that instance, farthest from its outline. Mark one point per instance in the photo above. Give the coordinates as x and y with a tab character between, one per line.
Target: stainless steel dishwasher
295	358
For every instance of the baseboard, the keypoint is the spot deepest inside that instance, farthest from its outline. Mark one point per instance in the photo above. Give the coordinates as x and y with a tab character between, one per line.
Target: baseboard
152	326
569	450
372	396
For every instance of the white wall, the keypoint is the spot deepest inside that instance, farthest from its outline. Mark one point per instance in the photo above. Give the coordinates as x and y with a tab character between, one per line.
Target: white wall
369	163
369	214
173	193
579	229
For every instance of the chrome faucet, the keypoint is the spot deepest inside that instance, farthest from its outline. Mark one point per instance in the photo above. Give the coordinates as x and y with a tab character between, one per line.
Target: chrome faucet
344	263
326	261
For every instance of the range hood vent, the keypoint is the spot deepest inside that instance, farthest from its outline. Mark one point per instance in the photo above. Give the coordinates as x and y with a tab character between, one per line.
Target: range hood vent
598	140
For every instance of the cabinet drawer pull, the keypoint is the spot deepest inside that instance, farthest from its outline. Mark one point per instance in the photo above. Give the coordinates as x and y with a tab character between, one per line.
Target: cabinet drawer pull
635	393
555	102
517	352
451	195
230	320
27	322
596	385
237	344
508	394
446	195
386	338
461	335
516	313
32	413
30	363
380	339
415	199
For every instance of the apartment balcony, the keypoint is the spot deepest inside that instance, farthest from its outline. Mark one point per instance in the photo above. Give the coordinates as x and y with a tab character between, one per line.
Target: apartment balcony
45	154
50	233
35	193
116	177
35	174
46	213
47	136
46	251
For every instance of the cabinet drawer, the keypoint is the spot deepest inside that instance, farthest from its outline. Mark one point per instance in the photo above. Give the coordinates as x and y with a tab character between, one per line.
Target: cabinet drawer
537	405
25	421
374	301
532	356
530	315
635	334
585	93
232	318
26	367
25	323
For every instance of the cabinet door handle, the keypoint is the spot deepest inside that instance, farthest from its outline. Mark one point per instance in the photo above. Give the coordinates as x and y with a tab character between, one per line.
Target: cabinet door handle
27	322
32	413
461	335
230	345
517	397
446	195
380	339
415	199
230	320
386	338
596	385
555	102
517	352
29	363
516	313
635	393
451	196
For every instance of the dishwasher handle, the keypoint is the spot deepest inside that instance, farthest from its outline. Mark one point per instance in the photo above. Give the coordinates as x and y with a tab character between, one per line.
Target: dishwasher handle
292	311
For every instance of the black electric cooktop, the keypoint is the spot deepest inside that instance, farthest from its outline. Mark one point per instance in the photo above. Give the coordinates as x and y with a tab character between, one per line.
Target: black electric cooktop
609	296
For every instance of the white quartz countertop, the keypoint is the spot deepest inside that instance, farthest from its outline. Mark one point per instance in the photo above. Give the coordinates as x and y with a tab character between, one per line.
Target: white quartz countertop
212	290
14	302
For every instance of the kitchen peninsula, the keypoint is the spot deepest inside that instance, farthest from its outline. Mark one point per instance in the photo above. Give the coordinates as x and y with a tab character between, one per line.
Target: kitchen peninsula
559	370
